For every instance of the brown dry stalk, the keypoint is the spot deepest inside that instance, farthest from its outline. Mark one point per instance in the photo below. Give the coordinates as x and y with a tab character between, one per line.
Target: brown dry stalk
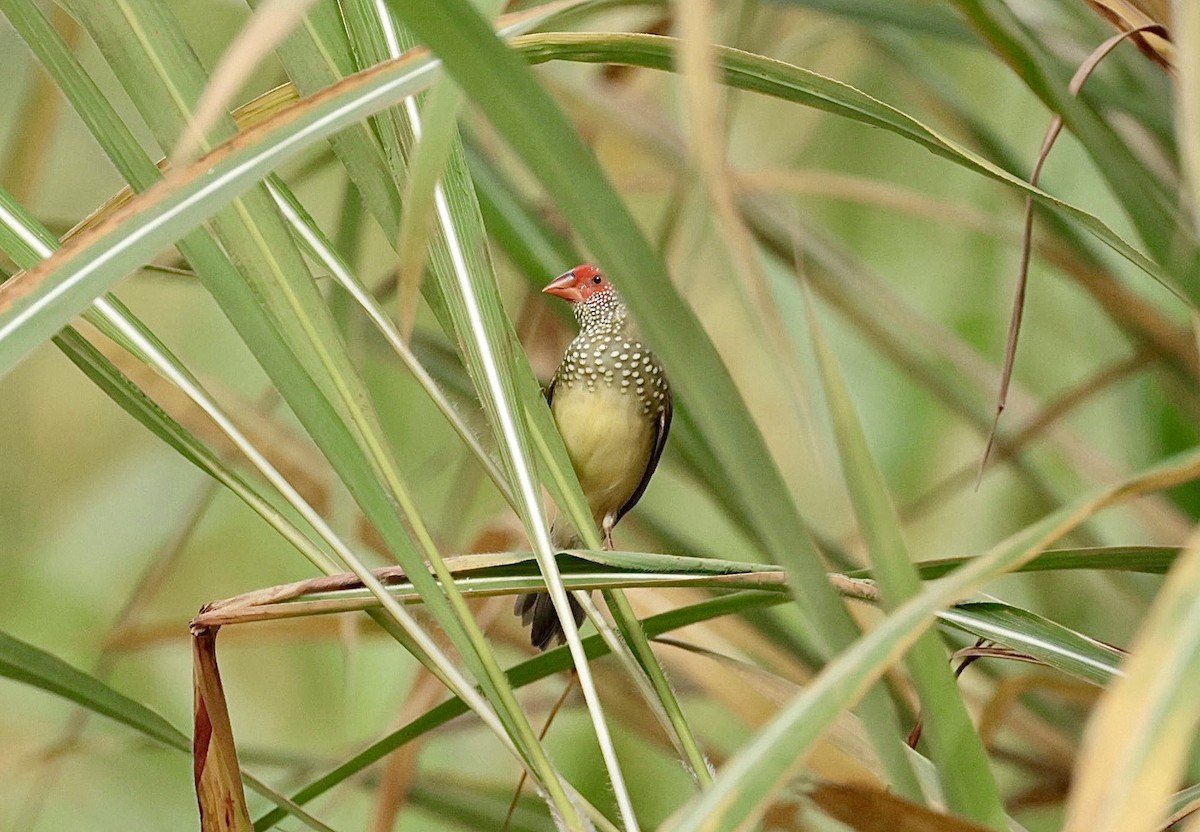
1014	326
218	777
282	600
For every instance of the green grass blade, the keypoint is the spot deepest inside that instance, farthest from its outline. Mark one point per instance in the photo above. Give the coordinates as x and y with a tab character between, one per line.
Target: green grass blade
1152	560
955	747
744	70
25	663
22	662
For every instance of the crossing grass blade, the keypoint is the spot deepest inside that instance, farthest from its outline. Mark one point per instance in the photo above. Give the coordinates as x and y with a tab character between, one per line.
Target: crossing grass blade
743	70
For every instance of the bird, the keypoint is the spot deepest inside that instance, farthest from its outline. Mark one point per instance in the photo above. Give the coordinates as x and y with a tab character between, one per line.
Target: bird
612	404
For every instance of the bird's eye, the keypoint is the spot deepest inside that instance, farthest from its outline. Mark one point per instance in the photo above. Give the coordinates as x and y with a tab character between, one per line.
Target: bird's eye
597	279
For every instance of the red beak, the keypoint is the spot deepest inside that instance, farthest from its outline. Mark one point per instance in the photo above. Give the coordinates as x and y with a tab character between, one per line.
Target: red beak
564	287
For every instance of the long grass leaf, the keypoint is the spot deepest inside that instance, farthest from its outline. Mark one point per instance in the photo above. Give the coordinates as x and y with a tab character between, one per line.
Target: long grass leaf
955	747
457	258
756	73
1153	560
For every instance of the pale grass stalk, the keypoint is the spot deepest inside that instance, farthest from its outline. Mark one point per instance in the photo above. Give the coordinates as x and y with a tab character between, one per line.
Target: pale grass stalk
522	467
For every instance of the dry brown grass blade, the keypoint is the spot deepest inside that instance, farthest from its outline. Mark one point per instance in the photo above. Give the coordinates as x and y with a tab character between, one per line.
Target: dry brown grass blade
1127	15
1014	325
218	777
280	602
30	146
865	809
270	24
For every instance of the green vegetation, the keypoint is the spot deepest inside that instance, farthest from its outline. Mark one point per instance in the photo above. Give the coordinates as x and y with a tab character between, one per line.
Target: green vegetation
296	251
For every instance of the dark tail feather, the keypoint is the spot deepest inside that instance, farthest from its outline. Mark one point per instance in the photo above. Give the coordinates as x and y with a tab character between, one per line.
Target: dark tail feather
537	612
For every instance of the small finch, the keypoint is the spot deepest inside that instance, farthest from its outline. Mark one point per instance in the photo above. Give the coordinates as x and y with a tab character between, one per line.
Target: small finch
612	405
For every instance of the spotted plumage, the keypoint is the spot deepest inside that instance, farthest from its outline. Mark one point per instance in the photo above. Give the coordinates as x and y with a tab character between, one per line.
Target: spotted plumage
612	405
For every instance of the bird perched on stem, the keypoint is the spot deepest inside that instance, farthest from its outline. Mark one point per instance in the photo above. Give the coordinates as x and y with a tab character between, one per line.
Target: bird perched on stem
612	405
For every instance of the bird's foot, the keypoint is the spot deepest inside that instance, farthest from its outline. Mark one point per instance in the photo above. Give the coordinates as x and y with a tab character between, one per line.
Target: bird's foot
607	529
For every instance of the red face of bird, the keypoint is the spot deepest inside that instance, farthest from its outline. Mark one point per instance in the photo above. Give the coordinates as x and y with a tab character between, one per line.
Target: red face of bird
579	284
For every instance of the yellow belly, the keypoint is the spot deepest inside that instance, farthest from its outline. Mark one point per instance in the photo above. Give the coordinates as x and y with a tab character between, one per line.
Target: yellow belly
608	438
